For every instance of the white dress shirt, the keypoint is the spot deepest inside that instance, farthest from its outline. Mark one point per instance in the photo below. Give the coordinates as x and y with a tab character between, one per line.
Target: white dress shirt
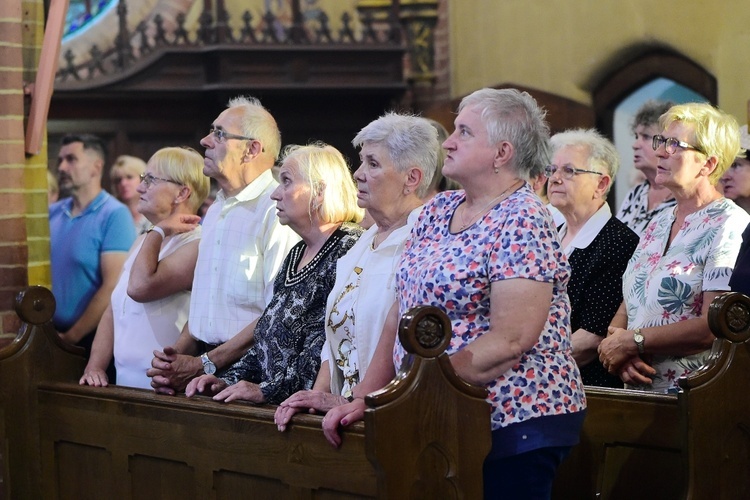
242	249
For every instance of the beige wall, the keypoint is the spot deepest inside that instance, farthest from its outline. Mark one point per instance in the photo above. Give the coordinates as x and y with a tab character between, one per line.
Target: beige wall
563	46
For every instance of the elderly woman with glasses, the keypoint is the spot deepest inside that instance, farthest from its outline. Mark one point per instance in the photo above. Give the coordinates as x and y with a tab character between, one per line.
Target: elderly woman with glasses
597	244
149	304
684	258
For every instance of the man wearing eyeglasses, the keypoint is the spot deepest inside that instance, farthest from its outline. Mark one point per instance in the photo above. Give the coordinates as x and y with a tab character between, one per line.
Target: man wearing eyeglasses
242	247
90	235
646	199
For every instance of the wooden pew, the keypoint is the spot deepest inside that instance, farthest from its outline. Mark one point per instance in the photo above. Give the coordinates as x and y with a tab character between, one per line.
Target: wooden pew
694	445
62	440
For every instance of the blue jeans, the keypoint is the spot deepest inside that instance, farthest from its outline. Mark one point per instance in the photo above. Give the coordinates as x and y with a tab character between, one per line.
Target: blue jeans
526	476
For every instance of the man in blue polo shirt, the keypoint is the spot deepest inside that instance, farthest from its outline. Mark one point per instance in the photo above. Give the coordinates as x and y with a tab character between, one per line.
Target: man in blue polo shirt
90	235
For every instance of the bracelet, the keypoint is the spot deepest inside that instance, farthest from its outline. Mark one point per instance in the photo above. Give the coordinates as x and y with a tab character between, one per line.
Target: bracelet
157	229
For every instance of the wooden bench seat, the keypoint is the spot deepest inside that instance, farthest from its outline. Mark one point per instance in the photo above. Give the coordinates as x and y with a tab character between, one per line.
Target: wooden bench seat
424	436
63	440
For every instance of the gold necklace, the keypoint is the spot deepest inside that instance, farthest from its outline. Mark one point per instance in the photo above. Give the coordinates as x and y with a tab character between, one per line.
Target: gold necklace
484	208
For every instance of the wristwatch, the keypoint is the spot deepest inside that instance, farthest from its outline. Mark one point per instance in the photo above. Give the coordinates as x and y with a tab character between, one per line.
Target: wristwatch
209	368
638	338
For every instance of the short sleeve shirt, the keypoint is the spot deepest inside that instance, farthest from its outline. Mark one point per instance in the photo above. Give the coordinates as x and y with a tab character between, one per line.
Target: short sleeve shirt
515	240
76	245
664	285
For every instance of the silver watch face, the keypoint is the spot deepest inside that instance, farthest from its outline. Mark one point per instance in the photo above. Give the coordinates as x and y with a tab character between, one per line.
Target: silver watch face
209	368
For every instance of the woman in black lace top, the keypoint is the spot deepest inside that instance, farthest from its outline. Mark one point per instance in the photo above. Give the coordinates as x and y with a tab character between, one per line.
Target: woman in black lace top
318	199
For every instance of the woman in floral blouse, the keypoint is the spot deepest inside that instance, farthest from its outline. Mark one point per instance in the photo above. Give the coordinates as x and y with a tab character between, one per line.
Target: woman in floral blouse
489	256
685	257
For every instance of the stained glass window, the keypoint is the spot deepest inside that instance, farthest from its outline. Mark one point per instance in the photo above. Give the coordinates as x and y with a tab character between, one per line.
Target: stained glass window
78	15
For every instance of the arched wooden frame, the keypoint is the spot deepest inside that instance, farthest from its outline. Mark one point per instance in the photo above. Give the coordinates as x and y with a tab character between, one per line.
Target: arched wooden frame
626	79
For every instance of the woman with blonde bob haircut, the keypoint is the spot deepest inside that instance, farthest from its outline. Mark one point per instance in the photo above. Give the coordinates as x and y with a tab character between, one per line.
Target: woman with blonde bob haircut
685	256
150	302
325	169
316	197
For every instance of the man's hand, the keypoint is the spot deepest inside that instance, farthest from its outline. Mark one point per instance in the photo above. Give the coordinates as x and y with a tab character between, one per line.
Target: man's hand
170	372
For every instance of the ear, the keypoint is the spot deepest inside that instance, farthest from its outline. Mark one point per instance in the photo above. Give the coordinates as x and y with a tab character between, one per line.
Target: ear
539	183
182	195
316	197
601	188
252	149
413	179
503	155
710	165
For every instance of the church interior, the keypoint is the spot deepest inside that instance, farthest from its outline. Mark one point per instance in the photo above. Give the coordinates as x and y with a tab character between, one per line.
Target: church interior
144	74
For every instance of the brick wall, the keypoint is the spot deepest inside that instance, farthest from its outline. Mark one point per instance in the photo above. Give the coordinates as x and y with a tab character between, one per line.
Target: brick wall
23	208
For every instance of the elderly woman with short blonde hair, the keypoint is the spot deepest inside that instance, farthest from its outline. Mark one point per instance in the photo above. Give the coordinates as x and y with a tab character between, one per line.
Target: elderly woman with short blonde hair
684	258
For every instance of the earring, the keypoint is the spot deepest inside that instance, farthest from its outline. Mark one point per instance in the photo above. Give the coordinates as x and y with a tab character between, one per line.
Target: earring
496	170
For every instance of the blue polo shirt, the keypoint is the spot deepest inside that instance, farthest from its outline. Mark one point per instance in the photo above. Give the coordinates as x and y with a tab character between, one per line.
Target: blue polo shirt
76	245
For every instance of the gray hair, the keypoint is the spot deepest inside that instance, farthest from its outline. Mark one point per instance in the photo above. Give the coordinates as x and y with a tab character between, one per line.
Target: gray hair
649	112
601	153
258	123
514	116
411	141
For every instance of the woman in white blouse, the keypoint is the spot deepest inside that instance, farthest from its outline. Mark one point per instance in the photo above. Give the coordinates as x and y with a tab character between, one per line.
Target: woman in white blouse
149	304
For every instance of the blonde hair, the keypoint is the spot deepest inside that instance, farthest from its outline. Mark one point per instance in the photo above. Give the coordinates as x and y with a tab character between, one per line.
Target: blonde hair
325	168
126	164
715	133
183	165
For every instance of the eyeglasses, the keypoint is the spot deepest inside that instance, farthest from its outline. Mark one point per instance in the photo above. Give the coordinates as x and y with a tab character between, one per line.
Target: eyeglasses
567	171
671	144
149	179
221	135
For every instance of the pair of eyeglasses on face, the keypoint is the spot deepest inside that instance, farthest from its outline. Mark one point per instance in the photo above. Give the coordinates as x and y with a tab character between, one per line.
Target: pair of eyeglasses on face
567	171
149	179
671	144
221	135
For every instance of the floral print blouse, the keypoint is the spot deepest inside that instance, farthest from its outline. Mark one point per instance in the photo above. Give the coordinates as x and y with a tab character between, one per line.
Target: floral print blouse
664	285
515	240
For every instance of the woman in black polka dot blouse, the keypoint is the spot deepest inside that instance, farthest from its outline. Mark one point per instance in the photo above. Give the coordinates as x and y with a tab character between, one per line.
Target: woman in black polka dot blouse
598	245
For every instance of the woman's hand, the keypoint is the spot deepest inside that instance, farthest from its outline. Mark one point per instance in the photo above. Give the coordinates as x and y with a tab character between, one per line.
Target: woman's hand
637	372
242	391
585	345
95	377
206	385
311	401
179	223
617	349
344	416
